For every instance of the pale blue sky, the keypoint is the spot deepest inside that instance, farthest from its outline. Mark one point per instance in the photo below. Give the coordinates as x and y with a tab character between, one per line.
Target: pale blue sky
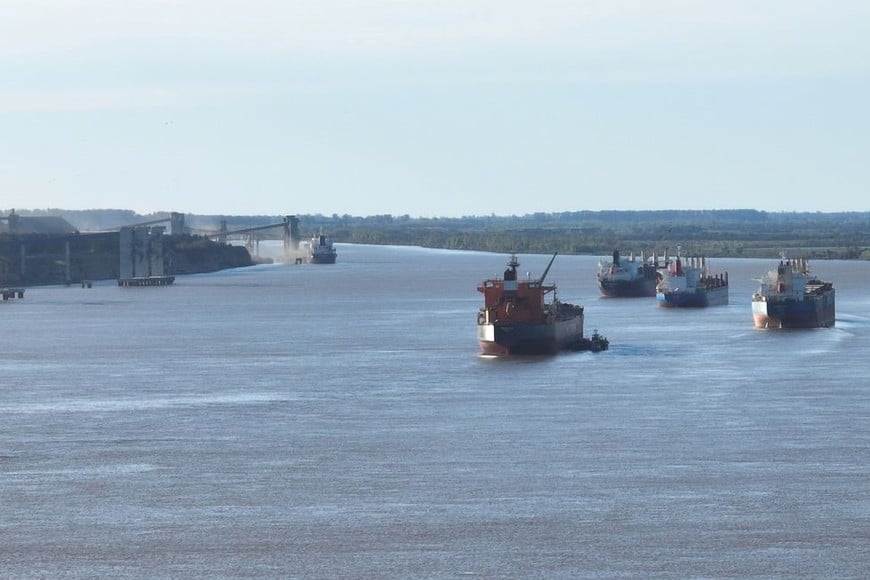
434	108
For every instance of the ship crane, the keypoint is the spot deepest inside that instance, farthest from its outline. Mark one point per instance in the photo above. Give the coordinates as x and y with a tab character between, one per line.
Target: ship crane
547	269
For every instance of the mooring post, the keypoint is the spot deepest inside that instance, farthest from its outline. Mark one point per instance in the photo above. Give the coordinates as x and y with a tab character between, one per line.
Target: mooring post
66	267
23	262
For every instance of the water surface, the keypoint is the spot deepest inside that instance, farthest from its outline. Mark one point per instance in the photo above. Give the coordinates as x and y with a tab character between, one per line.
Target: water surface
337	421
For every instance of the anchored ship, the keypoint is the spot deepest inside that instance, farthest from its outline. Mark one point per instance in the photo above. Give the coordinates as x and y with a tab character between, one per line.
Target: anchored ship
517	319
691	285
791	297
321	250
630	278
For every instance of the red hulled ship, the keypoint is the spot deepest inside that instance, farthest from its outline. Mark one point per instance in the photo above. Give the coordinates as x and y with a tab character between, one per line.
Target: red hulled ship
516	318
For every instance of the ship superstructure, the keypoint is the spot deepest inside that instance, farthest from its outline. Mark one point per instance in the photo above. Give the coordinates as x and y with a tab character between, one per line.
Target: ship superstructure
791	297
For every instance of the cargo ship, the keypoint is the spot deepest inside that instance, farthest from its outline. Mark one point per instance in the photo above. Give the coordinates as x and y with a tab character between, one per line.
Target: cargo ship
690	285
791	297
321	250
517	319
630	278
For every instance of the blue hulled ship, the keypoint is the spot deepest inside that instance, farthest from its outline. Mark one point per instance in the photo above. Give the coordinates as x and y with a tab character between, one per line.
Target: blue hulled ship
687	283
791	297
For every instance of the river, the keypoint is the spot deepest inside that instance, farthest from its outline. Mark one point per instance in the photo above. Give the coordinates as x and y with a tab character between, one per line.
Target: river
337	421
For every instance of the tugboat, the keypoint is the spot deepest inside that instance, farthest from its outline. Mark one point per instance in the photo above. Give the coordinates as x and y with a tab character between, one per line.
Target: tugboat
791	297
516	318
321	250
690	285
628	279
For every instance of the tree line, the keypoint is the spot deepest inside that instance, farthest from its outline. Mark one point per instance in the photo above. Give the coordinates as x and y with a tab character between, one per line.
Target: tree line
717	233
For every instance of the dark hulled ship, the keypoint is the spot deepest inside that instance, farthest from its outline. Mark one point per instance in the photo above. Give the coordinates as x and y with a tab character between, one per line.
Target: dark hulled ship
632	278
321	250
791	297
517	318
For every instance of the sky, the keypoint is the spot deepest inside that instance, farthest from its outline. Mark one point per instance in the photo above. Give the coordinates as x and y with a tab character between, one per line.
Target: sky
434	107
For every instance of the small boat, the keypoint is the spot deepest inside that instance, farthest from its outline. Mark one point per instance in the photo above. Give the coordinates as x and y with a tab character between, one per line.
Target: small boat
321	250
687	283
620	278
517	319
791	297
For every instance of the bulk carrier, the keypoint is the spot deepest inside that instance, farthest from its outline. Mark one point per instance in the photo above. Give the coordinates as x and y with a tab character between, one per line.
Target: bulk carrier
516	318
691	285
321	250
790	297
620	278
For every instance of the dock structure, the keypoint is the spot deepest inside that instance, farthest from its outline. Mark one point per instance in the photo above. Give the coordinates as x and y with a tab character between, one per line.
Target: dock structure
146	281
142	259
5	291
8	293
290	225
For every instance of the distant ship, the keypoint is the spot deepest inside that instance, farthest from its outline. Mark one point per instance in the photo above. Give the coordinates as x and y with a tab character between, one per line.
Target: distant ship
691	285
630	278
516	318
790	297
321	250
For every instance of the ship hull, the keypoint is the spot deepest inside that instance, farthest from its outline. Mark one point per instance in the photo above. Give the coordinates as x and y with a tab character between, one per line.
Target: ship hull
637	288
698	299
818	312
519	339
322	259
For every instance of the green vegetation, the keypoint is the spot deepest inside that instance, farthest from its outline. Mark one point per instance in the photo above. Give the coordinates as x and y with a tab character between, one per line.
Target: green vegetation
717	233
195	254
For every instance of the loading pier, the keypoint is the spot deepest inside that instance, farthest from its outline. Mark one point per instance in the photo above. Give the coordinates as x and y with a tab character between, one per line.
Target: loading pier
146	281
290	226
12	293
142	259
46	250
